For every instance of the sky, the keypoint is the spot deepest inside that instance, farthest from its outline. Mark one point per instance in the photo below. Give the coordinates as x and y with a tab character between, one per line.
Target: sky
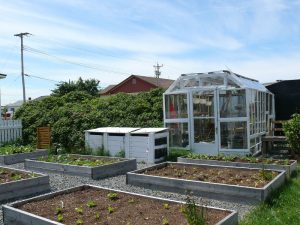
111	39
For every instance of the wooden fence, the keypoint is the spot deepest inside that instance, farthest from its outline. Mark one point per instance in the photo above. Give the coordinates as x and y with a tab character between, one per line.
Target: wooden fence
10	130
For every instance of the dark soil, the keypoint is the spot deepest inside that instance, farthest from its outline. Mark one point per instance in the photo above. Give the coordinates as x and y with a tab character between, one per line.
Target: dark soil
7	175
235	176
127	209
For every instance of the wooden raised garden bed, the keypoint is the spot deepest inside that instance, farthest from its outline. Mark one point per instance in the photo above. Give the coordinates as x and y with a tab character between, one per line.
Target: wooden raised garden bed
95	167
9	159
290	166
20	183
222	182
96	205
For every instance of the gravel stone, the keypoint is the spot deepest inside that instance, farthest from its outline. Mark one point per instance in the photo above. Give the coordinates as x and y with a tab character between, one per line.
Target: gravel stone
60	182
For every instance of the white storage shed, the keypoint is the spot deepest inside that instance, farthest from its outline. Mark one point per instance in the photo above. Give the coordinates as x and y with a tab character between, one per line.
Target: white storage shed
112	139
149	145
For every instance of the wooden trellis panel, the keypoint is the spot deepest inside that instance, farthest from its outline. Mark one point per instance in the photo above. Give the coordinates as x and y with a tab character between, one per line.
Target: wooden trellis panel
43	137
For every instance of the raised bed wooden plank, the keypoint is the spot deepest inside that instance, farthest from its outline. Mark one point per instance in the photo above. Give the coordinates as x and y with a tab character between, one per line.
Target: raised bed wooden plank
202	188
25	187
20	157
14	216
290	169
97	172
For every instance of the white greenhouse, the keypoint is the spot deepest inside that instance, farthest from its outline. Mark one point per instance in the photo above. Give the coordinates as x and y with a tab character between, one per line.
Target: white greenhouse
218	113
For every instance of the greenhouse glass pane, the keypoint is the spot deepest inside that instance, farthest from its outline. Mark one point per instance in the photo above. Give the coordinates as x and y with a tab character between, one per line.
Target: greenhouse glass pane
234	135
232	103
176	106
203	104
204	130
212	81
179	134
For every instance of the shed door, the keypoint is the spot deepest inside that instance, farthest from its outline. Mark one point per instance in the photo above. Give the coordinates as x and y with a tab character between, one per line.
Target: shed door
204	122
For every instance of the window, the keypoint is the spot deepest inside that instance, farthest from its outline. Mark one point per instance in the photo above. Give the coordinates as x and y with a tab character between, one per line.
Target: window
203	104
232	103
133	81
234	135
179	134
176	106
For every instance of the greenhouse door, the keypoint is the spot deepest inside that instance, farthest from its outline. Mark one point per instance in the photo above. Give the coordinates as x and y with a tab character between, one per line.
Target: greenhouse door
203	122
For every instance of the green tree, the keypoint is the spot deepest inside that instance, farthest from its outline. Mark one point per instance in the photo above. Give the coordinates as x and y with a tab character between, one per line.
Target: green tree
292	132
70	115
90	86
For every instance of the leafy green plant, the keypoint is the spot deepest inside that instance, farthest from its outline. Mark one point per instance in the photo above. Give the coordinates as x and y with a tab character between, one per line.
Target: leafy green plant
131	201
91	204
16	176
97	216
166	206
291	130
120	154
79	210
60	218
266	174
79	222
194	214
112	196
58	210
15	149
165	221
110	209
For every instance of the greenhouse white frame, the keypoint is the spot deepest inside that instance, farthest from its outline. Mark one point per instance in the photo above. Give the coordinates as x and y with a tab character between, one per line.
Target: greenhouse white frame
218	112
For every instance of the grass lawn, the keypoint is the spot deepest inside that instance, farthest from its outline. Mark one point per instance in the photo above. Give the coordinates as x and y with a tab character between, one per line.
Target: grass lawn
282	209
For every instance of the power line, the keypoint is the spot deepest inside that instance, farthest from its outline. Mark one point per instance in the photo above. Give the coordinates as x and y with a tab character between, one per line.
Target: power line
42	78
33	50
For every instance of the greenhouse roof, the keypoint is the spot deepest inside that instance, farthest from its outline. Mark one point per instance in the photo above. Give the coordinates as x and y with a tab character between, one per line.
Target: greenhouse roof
221	79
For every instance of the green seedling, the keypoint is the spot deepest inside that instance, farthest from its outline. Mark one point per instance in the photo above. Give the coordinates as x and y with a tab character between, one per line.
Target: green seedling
194	215
131	201
112	196
91	204
79	210
97	216
60	218
110	209
165	221
58	210
15	176
166	206
79	222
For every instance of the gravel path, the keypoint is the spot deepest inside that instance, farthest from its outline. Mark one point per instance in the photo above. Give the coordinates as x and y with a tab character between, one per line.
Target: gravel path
59	182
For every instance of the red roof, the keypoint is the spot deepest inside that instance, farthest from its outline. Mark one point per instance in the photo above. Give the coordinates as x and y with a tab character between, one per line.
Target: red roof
153	81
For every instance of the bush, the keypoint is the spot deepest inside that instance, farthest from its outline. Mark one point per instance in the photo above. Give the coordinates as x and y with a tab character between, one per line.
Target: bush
73	113
292	132
174	153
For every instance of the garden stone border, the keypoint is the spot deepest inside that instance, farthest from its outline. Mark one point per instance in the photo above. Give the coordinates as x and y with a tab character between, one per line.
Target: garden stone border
25	187
290	169
97	172
219	191
13	216
20	157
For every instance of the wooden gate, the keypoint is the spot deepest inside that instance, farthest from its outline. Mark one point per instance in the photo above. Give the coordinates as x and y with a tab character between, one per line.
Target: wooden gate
43	137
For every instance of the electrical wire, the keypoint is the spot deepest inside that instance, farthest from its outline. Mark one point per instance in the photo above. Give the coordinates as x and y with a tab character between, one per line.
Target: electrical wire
33	50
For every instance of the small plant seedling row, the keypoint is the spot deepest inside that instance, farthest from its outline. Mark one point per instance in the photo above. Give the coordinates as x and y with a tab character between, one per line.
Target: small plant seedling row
16	183
95	205
95	167
290	166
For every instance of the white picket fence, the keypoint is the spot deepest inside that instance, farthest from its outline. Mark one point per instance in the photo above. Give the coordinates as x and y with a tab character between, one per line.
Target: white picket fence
10	130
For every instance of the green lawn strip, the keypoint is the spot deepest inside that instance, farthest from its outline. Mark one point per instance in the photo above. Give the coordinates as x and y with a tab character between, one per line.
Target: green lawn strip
78	161
283	208
14	149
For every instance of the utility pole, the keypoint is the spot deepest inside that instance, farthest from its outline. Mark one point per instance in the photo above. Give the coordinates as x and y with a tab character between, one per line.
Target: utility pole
157	72
22	62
